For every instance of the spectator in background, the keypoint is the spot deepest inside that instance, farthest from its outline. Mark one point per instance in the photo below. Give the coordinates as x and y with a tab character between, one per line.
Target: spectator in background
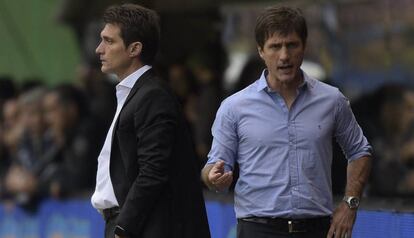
99	91
210	94
31	144
8	90
8	114
11	127
22	180
198	88
388	117
182	82
75	145
30	83
280	130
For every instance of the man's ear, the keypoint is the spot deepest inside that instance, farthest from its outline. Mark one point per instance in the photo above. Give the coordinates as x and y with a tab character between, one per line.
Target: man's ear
135	49
259	49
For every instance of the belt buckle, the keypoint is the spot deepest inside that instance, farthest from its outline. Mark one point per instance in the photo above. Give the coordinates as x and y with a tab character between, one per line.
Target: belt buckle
292	228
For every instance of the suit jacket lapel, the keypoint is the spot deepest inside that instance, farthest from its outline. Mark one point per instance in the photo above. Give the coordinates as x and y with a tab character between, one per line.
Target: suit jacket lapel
138	84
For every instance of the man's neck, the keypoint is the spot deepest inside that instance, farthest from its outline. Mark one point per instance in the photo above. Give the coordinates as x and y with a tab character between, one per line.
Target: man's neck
284	87
134	66
287	90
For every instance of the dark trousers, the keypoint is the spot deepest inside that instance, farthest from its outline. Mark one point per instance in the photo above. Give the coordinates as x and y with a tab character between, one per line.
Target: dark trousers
110	225
247	229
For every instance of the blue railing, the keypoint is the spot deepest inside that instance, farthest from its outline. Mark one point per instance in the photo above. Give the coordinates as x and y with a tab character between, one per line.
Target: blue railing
76	218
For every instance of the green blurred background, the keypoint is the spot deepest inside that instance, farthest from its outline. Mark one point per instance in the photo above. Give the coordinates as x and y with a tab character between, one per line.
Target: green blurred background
360	44
33	44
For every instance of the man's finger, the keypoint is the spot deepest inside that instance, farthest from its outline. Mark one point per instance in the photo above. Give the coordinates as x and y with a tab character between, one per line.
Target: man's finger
228	181
221	179
219	164
213	177
331	232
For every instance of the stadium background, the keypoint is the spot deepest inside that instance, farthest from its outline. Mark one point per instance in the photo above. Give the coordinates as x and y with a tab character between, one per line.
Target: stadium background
358	45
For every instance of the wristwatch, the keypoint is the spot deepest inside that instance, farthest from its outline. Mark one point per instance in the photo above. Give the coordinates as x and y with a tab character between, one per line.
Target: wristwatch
353	202
119	231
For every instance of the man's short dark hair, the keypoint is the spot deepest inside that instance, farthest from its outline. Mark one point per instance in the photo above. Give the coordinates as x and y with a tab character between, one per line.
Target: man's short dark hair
137	23
281	20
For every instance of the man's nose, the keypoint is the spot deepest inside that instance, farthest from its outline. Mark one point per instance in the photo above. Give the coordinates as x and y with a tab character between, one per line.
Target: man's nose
98	49
284	53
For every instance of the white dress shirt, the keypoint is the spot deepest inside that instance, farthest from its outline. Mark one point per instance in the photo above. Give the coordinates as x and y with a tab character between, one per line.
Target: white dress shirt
104	195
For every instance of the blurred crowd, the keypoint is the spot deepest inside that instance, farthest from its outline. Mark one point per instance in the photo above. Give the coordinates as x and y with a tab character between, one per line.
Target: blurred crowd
50	136
387	117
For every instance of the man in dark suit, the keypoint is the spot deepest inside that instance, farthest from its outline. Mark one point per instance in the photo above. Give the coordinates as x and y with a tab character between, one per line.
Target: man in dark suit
147	183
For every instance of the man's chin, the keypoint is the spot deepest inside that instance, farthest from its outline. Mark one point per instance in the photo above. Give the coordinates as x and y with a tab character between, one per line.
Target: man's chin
286	78
105	69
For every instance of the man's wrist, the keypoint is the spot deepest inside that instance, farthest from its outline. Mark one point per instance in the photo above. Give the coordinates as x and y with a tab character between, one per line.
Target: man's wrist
352	202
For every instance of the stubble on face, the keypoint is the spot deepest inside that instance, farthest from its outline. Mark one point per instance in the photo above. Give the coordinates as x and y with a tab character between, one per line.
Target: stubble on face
283	56
112	51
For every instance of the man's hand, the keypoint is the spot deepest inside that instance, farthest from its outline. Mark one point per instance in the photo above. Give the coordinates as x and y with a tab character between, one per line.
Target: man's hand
342	222
215	177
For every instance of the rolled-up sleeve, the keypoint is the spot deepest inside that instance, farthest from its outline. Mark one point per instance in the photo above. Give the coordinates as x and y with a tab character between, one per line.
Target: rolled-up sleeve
348	133
225	139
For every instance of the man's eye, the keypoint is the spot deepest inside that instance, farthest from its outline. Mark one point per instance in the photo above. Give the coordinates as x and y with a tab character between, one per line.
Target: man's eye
292	45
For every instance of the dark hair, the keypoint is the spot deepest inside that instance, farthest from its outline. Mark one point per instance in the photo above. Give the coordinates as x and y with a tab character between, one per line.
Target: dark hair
281	20
68	94
8	88
137	23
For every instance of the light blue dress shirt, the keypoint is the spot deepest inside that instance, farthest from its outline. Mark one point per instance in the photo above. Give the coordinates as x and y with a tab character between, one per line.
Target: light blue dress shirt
285	155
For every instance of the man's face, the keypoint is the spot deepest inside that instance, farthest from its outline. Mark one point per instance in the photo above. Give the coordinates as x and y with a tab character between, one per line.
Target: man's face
112	52
283	56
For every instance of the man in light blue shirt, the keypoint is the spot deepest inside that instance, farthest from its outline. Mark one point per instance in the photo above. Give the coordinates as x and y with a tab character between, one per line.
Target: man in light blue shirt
279	130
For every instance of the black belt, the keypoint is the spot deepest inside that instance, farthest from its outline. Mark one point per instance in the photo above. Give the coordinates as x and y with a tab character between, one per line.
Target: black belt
292	225
110	212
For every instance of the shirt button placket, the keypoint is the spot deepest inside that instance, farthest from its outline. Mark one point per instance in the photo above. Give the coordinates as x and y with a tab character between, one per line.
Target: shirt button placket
293	163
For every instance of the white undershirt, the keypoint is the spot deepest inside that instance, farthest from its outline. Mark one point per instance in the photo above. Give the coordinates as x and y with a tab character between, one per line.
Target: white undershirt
104	195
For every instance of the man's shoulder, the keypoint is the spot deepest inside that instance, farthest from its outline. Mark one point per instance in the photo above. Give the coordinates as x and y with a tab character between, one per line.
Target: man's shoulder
154	83
242	96
154	90
324	89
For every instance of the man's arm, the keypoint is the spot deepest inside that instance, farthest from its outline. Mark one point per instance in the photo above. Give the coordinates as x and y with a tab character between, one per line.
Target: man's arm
357	176
215	178
344	217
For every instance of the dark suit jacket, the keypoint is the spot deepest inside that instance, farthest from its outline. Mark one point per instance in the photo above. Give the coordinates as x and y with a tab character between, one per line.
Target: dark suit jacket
153	166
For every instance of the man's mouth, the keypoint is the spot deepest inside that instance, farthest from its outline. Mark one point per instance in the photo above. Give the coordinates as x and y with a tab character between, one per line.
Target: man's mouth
285	67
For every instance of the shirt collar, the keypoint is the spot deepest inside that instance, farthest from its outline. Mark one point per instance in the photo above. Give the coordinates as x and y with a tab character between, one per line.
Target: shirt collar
262	84
129	81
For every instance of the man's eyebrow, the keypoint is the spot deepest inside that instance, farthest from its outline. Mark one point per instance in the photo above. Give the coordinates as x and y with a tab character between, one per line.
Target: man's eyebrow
106	38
